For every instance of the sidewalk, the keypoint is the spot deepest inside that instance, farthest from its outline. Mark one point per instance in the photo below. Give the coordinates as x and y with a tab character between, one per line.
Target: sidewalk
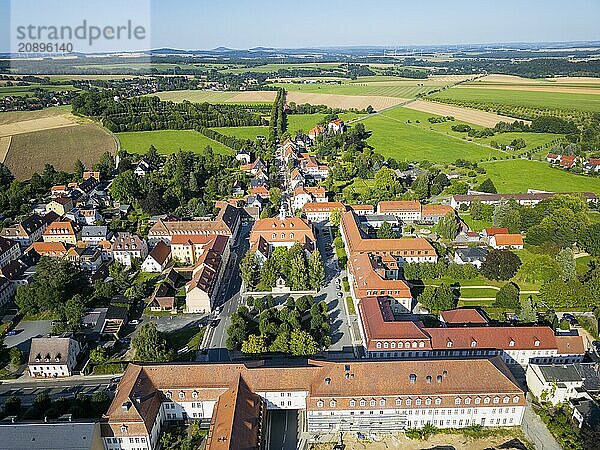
537	432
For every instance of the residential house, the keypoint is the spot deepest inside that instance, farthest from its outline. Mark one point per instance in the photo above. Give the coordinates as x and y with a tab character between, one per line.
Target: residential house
507	241
243	156
556	383
9	251
592	165
91	174
568	161
361	210
163	298
201	291
26	232
20	271
190	249
143	168
128	247
268	234
321	211
493	231
115	319
296	178
311	168
88	259
304	195
48	249
64	231
528	199
553	158
60	205
335	126
94	234
53	357
470	255
158	259
257	166
316	132
262	191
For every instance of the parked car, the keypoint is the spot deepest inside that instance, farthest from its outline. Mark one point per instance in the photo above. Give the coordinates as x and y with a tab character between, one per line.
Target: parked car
134	322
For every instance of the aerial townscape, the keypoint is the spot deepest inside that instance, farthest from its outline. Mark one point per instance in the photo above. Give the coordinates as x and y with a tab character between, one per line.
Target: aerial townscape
331	243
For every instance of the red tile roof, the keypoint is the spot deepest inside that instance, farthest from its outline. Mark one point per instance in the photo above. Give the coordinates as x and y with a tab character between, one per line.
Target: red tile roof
463	315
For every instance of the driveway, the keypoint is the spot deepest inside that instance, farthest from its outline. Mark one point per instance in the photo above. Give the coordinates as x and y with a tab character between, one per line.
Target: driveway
26	330
536	431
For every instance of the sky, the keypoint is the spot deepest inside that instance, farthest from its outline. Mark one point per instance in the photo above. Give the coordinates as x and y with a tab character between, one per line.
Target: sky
206	24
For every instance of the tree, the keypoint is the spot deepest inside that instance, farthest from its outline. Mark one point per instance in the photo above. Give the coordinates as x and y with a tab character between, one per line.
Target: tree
281	343
335	218
78	169
540	268
237	331
420	186
386	183
385	231
440	298
254	344
98	355
316	269
302	343
16	357
151	345
528	311
250	270
298	276
507	297
12	406
590	239
268	275
487	186
566	260
125	186
500	265
74	309
447	227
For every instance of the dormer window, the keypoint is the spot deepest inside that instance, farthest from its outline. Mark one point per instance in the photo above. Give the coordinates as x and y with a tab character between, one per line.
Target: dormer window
408	402
438	401
457	401
536	343
332	403
372	402
418	402
123	428
473	343
398	402
449	344
320	403
427	401
477	401
511	343
428	379
382	402
352	402
195	394
467	401
327	380
363	403
168	395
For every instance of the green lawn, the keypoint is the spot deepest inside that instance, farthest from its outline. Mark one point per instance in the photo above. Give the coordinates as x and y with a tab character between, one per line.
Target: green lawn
394	136
190	336
28	90
518	175
475	225
169	141
305	122
532	99
478	293
244	132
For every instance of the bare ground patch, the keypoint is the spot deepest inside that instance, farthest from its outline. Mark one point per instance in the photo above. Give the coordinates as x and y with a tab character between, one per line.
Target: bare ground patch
344	101
542	88
4	146
31	126
61	147
474	116
254	96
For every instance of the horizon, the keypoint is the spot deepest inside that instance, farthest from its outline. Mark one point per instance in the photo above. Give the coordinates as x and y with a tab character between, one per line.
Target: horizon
189	25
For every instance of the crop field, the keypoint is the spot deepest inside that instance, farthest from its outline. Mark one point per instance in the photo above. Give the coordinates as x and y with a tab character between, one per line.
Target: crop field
518	175
61	147
19	91
344	101
521	98
304	122
199	96
169	141
249	133
19	116
474	116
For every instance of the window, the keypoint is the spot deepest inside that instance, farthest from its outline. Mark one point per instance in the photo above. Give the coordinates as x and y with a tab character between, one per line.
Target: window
457	401
291	235
168	395
486	400
382	402
477	401
511	343
195	394
181	394
438	401
516	399
327	381
408	402
353	402
332	403
449	344
398	402
496	399
378	344
320	403
123	428
428	401
467	401
536	343
412	378
418	402
363	403
372	402
505	399
473	343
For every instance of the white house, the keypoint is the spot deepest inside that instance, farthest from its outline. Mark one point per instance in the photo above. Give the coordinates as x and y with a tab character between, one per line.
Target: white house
158	259
557	383
9	251
507	241
53	357
127	247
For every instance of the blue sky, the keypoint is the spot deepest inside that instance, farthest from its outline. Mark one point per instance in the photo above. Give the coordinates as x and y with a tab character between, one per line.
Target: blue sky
205	24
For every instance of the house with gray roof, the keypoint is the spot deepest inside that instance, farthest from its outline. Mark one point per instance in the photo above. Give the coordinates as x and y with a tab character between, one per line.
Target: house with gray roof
93	234
53	357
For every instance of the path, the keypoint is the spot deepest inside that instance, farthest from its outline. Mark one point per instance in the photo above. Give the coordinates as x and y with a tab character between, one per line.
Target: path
4	146
536	431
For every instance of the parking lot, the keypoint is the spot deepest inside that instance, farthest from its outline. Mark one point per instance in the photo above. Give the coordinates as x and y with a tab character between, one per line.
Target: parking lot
25	330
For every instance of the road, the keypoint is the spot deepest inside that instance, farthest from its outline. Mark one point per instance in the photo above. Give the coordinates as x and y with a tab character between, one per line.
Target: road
283	426
27	388
229	292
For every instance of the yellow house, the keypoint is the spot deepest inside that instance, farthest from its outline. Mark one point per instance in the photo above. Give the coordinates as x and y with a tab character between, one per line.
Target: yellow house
60	205
61	231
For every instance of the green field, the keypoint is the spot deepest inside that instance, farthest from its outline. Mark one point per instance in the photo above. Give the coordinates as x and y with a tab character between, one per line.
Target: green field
249	133
404	89
394	137
236	97
305	122
518	175
532	99
20	91
169	141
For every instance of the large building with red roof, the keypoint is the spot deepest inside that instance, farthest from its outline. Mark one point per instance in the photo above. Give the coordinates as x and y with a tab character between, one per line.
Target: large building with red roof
268	234
385	337
232	399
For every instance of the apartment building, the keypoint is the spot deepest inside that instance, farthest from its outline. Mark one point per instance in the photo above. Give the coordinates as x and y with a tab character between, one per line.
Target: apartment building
128	247
64	231
53	357
334	396
26	232
321	211
9	251
268	234
410	211
188	249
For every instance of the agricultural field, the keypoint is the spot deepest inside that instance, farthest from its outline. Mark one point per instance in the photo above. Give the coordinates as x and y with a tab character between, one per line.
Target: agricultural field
19	91
249	133
61	147
199	96
344	101
305	122
472	116
169	141
405	134
519	175
20	116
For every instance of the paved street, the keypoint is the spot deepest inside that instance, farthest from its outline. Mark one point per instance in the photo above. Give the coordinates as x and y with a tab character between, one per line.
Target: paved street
283	426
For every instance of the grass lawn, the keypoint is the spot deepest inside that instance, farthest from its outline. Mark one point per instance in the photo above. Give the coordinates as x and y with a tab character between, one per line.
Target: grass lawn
478	293
169	141
249	133
19	91
518	175
534	99
397	134
475	225
350	304
190	336
305	122
582	264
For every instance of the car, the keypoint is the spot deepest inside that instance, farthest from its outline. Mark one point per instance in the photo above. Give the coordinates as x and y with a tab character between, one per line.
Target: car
213	323
134	322
568	316
338	287
11	332
340	294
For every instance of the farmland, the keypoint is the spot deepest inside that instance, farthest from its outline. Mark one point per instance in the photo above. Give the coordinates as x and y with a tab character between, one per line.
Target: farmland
199	96
518	175
61	147
344	101
305	122
168	141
